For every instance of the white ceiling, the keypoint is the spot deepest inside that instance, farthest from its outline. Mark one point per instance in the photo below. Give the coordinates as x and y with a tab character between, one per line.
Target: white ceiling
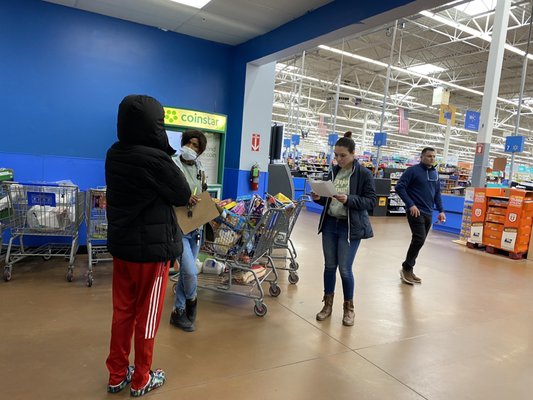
224	21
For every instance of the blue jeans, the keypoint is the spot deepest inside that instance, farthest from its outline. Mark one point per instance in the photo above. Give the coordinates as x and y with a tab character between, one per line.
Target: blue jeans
187	281
338	253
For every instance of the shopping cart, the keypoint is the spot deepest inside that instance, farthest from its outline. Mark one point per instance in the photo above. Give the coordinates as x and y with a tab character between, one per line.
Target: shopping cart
43	210
5	216
96	222
283	239
243	253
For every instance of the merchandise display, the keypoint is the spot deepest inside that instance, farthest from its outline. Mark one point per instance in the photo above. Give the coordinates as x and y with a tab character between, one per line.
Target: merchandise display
502	219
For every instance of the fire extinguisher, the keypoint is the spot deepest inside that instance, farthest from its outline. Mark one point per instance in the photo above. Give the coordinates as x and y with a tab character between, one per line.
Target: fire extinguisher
254	177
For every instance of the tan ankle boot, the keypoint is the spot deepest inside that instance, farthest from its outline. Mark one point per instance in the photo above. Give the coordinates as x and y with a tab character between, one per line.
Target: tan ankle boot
349	314
326	310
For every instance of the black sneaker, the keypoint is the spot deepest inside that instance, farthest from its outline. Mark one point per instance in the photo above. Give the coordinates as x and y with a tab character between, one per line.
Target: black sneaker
179	319
124	383
157	379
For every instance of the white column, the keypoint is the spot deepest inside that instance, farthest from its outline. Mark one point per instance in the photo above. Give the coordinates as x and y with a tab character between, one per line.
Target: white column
492	83
447	140
257	114
363	137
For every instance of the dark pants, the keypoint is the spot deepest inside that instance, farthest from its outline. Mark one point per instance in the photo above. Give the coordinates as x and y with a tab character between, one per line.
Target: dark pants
420	227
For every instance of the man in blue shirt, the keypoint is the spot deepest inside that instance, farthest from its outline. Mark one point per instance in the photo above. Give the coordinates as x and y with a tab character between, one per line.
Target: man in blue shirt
419	188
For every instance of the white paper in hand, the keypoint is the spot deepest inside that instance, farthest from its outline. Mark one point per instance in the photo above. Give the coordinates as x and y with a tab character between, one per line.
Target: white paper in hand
323	188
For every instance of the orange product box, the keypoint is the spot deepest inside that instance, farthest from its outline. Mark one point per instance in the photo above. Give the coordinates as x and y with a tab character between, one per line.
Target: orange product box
523	237
497	210
524	229
514	209
492	227
479	206
492	242
492	235
528	205
501	202
499	219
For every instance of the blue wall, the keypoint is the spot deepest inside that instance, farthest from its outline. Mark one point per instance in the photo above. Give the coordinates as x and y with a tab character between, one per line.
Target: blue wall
64	72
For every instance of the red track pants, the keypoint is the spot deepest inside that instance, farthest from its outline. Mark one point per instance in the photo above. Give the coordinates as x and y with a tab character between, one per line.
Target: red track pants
138	297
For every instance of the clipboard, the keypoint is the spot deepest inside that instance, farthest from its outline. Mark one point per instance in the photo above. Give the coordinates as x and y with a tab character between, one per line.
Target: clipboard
200	214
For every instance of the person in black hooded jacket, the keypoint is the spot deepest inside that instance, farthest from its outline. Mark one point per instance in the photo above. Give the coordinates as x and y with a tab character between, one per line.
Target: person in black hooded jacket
344	222
143	184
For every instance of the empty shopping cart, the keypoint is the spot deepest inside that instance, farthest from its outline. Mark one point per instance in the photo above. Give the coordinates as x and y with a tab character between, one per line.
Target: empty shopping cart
96	222
283	239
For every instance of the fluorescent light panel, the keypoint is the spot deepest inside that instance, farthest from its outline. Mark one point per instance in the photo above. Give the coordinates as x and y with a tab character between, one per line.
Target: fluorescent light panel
426	69
192	3
477	7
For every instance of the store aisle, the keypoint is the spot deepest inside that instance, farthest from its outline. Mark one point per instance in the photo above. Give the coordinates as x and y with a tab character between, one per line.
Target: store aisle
465	333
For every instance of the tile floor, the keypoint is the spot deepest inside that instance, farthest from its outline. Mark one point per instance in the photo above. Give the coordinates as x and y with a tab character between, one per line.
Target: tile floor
465	333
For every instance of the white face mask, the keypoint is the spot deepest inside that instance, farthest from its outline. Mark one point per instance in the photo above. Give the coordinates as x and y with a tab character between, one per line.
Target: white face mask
188	154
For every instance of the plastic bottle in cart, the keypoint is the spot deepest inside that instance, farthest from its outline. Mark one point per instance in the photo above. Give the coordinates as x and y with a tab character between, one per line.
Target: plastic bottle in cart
212	266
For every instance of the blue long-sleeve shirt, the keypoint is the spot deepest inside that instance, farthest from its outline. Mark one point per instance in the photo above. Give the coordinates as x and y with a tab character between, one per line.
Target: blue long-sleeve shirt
420	186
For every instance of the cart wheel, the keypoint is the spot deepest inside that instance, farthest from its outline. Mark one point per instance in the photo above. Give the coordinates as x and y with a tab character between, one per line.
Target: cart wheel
260	309
293	278
295	265
70	276
7	275
48	256
89	281
274	290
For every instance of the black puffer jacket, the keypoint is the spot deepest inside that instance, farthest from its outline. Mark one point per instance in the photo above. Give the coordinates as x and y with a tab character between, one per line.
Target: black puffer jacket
143	184
361	198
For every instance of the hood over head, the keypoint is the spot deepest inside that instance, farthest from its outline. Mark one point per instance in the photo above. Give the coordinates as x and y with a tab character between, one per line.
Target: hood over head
140	121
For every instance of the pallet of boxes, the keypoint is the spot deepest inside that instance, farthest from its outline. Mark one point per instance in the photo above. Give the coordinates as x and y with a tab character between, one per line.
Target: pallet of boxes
502	220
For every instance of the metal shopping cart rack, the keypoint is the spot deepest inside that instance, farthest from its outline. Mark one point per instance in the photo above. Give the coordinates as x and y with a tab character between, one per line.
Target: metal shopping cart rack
283	239
96	222
43	210
243	252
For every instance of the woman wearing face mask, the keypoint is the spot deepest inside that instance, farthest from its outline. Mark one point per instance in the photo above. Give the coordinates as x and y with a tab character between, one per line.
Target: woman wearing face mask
193	144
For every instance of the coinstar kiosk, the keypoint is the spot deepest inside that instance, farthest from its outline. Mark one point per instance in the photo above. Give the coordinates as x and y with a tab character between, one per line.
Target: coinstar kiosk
179	120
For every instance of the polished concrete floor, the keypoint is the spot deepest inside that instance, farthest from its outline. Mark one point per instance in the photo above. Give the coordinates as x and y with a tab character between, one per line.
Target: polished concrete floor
465	333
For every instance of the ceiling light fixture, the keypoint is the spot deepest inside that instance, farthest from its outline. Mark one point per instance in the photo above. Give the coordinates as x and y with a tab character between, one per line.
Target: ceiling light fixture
192	3
434	80
477	7
426	69
471	31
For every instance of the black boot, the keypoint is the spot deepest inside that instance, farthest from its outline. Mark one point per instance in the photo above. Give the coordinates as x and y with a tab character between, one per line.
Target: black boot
179	319
190	309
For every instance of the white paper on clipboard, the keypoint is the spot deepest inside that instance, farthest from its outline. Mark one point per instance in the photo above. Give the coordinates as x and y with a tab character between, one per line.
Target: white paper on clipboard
323	188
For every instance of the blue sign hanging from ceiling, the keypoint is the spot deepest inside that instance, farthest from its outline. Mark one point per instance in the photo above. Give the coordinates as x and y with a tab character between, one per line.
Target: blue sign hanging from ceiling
472	120
380	139
286	143
332	139
295	139
514	144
